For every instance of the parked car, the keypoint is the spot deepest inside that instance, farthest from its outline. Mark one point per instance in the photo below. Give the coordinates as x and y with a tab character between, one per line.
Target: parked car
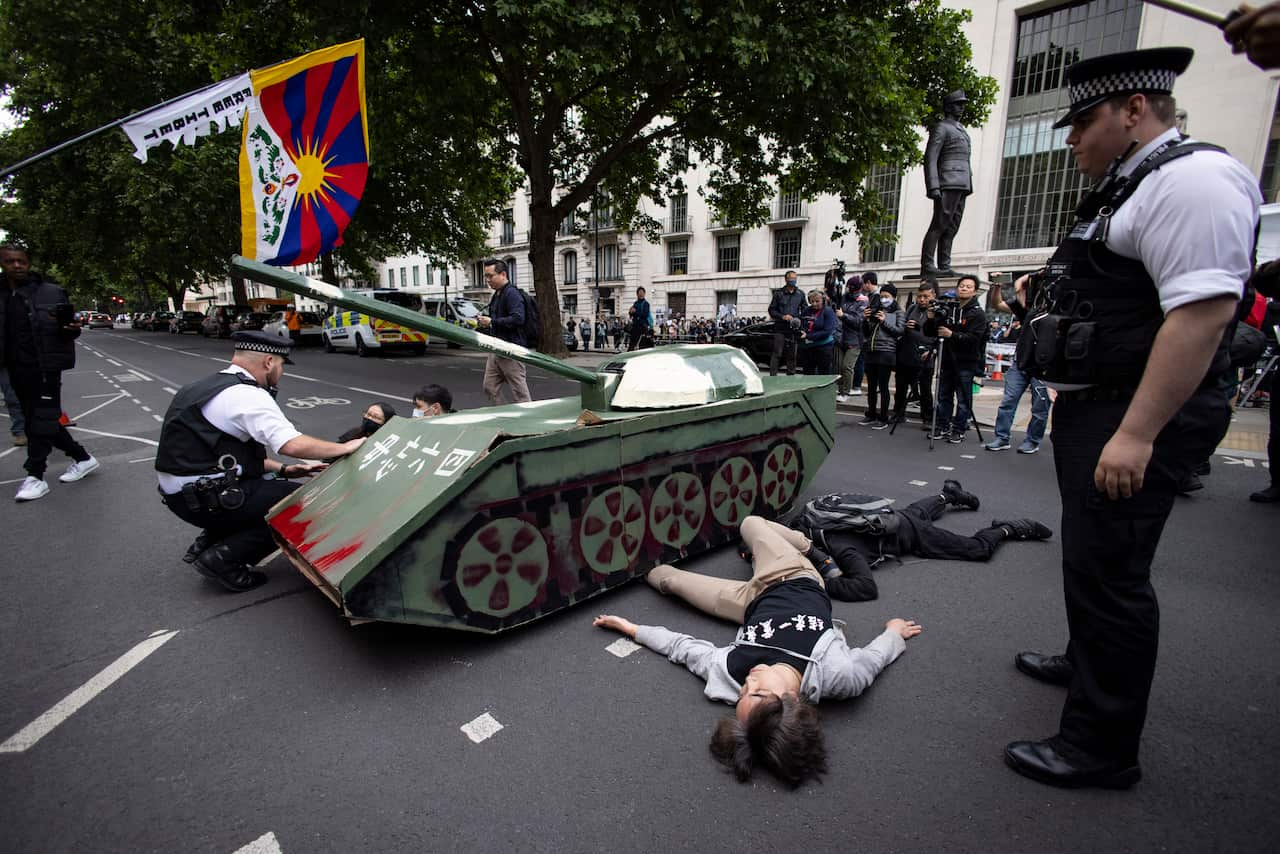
310	331
98	320
247	321
755	340
140	320
186	321
217	320
159	321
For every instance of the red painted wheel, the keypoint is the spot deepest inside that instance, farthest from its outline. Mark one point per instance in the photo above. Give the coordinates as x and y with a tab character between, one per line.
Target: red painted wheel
502	567
612	530
734	488
780	475
678	507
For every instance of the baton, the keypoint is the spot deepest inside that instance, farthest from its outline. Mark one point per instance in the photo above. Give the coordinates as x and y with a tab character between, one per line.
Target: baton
1198	12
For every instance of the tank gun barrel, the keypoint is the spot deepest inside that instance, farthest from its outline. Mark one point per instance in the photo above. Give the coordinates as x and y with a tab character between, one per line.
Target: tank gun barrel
301	285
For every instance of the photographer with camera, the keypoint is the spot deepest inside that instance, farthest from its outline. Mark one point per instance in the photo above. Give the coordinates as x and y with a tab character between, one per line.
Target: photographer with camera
212	463
849	313
38	334
787	309
915	357
881	328
961	328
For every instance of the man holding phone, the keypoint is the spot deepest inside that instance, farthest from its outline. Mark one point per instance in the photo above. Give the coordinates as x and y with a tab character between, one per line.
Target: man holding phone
38	332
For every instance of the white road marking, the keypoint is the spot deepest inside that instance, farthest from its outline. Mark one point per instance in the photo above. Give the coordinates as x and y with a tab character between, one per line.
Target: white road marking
946	468
146	409
113	399
134	399
142	460
378	393
15	480
622	647
114	362
169	390
119	436
126	378
189	353
158	418
968	457
92	396
9	451
264	844
77	699
1237	461
918	482
481	728
140	375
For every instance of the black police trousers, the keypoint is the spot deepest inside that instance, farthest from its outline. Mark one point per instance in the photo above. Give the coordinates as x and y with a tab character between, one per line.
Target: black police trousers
1107	549
244	529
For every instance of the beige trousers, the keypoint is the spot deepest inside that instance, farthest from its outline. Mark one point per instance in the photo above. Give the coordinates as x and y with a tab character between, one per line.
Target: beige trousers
777	555
499	370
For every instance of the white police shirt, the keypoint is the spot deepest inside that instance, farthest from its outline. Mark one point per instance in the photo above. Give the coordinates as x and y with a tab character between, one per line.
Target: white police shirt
245	412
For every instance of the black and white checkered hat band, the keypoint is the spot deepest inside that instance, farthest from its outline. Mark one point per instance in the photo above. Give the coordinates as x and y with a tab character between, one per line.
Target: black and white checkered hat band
1150	80
273	349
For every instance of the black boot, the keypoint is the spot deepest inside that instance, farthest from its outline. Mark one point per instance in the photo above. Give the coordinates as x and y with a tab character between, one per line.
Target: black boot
218	563
954	493
1023	529
197	546
1270	495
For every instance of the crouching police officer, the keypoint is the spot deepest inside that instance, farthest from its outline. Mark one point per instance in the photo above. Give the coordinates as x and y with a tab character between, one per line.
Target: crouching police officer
1128	322
212	461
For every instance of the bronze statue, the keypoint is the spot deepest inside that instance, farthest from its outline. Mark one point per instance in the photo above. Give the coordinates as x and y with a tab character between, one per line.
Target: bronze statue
948	180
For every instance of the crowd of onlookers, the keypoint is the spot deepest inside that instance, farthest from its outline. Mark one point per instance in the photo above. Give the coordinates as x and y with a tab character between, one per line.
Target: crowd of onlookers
610	331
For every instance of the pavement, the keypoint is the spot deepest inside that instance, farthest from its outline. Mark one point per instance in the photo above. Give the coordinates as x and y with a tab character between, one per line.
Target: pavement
146	710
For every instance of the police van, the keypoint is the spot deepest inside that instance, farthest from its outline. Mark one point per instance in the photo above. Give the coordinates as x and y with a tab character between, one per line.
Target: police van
352	330
456	310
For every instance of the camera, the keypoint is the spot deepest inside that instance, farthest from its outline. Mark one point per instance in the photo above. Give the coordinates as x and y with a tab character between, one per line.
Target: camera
946	312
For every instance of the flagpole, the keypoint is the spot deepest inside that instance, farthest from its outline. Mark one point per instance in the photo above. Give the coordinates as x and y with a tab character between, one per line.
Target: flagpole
48	152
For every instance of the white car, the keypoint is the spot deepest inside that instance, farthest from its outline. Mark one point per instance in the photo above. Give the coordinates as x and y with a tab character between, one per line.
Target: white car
309	333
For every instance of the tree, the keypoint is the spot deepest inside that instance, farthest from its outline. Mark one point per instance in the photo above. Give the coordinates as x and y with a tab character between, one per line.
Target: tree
806	94
107	222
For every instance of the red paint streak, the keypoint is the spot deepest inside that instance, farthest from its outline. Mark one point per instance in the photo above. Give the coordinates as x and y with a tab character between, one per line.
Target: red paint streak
327	561
287	525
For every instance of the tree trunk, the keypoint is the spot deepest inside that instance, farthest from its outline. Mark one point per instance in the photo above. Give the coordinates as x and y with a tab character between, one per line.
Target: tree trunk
328	272
542	257
239	296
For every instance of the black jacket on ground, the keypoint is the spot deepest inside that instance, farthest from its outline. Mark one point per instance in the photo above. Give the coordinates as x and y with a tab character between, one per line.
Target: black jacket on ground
37	299
966	348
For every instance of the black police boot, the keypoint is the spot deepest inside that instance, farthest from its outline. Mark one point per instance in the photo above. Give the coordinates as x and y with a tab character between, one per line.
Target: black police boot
955	494
197	546
1189	484
1057	763
218	563
1270	495
1023	529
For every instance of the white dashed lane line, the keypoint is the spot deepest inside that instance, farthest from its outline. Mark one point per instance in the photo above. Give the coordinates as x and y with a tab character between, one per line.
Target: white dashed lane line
114	362
967	457
946	468
918	482
481	728
168	390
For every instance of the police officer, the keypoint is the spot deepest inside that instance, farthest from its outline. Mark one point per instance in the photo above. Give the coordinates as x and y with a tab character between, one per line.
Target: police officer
212	461
1128	322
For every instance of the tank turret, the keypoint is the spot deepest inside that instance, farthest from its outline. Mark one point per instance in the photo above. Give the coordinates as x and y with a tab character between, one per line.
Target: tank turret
486	519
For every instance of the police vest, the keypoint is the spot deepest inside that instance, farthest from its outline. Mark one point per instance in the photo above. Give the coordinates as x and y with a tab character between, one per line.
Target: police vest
190	445
1093	317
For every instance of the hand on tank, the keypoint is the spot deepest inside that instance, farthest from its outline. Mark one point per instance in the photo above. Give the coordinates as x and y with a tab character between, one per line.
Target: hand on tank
353	446
907	628
306	469
1122	466
618	624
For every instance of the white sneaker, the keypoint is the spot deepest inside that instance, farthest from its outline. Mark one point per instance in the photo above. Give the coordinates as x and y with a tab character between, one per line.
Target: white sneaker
842	398
77	471
856	392
31	489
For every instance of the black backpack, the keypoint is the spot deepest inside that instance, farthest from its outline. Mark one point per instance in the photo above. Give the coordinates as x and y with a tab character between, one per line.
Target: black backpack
532	321
847	511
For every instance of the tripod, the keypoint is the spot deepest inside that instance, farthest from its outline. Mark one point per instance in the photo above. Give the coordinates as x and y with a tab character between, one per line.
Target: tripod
937	402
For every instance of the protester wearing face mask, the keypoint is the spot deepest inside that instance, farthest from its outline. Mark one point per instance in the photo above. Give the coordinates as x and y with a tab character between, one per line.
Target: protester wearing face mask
882	326
432	400
374	417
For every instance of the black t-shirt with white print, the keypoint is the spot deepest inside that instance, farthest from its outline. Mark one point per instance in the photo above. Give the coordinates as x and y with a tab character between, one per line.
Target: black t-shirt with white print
792	616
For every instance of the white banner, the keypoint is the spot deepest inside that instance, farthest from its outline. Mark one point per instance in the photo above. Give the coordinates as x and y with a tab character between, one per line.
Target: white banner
214	108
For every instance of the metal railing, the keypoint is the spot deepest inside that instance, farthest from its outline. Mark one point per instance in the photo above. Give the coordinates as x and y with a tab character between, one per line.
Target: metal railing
678	225
790	208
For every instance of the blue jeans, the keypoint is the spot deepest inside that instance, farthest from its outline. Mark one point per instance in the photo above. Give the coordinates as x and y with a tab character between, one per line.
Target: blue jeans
17	425
1015	383
955	392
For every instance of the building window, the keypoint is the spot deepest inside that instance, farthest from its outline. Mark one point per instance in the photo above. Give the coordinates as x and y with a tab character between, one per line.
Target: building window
679	155
610	263
790	206
570	303
677	257
571	268
724	298
676	303
511	269
508	227
429	276
728	253
477	276
391	277
678	208
402	277
604	301
887	184
416	281
1039	183
566	226
786	248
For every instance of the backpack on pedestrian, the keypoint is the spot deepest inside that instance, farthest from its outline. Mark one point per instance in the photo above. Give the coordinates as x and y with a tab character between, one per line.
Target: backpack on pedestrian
532	321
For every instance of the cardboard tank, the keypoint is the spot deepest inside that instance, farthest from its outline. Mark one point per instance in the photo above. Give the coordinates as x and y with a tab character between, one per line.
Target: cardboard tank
486	519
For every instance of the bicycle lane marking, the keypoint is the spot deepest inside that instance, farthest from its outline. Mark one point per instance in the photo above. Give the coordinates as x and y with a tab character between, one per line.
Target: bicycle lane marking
80	697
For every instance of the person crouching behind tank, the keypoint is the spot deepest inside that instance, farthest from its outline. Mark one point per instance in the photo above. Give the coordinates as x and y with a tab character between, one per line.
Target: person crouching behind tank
374	417
787	656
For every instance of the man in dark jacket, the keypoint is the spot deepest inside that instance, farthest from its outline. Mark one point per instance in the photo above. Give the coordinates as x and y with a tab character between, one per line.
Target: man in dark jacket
504	320
915	357
786	309
849	312
39	337
963	352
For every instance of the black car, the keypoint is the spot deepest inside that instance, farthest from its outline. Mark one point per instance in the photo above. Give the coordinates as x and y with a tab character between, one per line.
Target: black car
186	321
755	340
249	320
159	320
217	322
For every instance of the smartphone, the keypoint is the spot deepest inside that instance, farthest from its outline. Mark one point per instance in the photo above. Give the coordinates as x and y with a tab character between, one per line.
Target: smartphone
64	314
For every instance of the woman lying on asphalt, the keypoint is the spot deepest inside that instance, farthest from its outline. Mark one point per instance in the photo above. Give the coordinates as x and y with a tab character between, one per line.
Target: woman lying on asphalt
788	654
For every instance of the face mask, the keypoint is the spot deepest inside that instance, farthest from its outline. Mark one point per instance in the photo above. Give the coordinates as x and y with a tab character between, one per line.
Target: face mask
791	283
886	301
369	426
417	413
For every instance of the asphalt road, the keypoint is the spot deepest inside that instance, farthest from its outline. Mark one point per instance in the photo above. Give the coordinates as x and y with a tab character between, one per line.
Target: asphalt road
264	720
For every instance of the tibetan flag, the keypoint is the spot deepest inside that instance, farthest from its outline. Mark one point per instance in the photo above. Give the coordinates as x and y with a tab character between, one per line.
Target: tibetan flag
304	155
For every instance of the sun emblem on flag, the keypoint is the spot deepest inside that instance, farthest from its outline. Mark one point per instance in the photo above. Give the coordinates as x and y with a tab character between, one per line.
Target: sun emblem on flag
314	186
